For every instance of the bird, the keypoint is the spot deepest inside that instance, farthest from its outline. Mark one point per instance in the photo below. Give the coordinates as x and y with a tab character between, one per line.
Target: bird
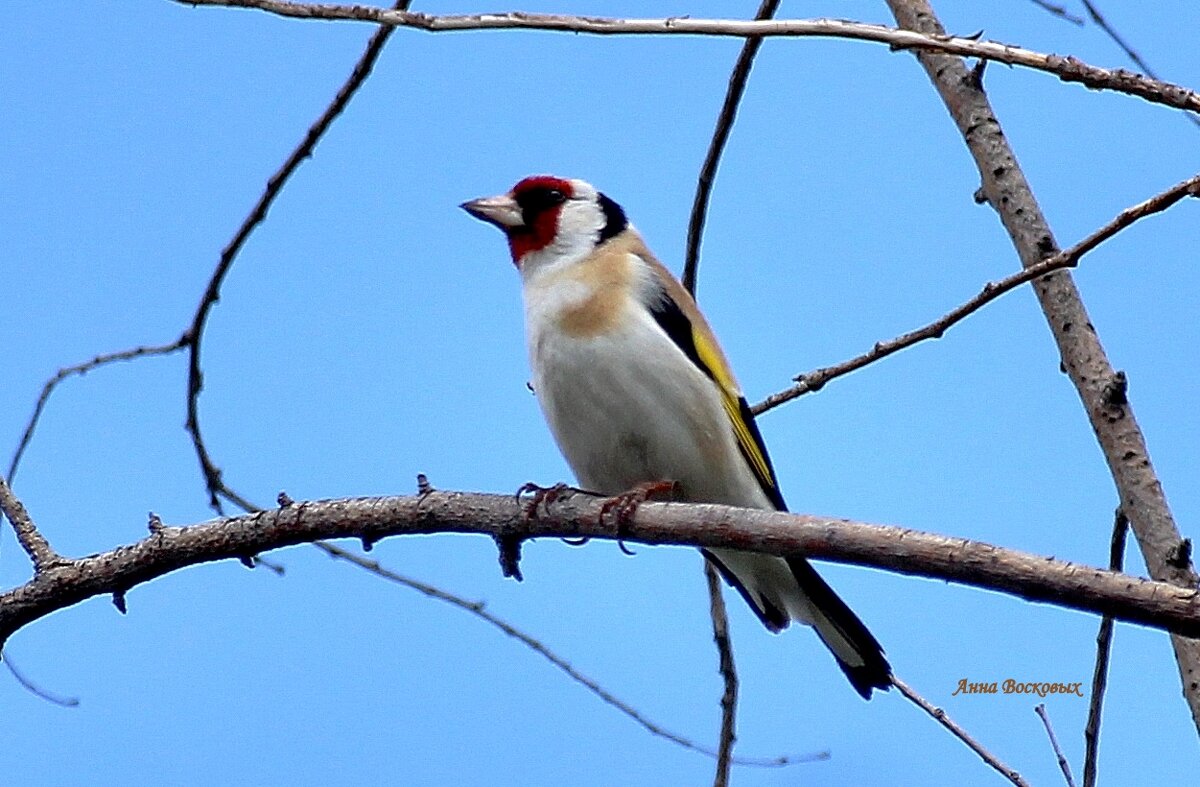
637	391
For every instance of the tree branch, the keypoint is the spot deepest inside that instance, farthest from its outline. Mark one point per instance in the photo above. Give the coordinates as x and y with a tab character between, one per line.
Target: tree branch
479	610
30	538
167	549
275	184
81	369
1091	731
1063	765
1068	69
1129	51
1101	389
728	670
815	380
942	718
708	170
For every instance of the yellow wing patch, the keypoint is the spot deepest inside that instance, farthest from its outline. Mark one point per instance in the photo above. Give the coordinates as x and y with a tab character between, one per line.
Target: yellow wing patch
748	437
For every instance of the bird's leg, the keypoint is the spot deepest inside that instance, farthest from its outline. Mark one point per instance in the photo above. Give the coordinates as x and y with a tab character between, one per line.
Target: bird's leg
625	505
544	496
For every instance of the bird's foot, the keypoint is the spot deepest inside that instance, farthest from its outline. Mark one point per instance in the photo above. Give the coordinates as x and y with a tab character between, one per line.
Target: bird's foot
625	505
543	497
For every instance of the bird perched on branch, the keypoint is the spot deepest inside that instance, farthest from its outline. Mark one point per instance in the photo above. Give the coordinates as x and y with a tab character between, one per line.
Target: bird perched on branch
637	392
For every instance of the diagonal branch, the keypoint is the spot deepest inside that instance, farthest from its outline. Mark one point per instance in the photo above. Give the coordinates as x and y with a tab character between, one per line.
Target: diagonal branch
1101	389
941	717
1063	765
1120	41
1068	69
30	538
708	170
815	380
1060	12
1035	578
478	609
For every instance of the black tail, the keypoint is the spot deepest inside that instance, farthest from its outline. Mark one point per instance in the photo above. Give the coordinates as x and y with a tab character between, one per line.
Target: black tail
839	627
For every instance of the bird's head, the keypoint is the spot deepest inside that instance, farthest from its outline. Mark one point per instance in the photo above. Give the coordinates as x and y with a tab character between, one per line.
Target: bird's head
549	220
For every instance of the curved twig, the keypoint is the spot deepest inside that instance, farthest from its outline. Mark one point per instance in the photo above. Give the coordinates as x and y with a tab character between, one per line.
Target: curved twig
275	184
80	369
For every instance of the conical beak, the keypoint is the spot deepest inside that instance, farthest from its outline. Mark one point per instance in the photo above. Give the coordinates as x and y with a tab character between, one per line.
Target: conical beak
502	210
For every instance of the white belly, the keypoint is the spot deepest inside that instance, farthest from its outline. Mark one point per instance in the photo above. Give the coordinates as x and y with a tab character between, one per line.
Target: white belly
629	408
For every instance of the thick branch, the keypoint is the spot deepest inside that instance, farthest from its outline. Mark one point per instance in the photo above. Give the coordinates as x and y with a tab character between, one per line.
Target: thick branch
1067	69
1101	389
905	551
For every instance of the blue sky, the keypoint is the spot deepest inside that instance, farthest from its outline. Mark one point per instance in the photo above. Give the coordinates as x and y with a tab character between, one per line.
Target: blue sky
371	331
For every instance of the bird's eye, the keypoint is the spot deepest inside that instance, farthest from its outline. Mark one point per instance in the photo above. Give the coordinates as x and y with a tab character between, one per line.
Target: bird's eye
555	197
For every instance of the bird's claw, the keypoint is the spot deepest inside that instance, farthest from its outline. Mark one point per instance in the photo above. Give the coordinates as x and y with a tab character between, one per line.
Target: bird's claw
625	505
541	496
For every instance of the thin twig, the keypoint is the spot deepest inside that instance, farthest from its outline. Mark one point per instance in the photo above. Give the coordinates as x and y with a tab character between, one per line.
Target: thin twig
729	696
478	609
31	539
1129	51
1060	12
1040	709
943	719
275	184
816	379
34	689
1091	732
83	368
708	171
1068	69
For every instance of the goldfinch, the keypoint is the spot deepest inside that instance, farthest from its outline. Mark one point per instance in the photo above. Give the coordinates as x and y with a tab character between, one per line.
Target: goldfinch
636	391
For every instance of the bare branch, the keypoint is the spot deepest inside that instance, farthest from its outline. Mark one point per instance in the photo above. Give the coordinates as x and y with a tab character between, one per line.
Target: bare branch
1091	731
729	696
708	170
815	380
1129	51
275	184
83	368
1068	69
1065	766
1061	13
34	689
1100	387
941	717
30	538
1032	577
479	610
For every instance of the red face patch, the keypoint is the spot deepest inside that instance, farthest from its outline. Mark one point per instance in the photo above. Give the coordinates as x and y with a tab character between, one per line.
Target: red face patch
541	198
